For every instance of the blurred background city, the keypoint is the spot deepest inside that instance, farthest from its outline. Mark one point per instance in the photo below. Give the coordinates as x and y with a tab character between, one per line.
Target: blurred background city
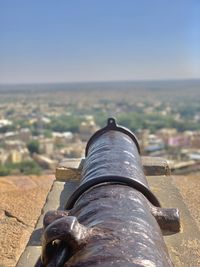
42	124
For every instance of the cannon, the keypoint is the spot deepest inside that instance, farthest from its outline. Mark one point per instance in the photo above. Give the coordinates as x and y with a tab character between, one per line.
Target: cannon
112	218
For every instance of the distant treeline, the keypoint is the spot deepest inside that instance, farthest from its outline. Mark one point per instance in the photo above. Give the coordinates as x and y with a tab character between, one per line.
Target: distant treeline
132	120
136	121
25	167
102	85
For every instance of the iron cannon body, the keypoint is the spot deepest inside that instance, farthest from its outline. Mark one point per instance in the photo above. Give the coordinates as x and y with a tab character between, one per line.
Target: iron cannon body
112	218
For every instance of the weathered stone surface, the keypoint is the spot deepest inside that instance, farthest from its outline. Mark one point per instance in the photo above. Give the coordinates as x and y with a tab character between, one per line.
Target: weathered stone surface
69	169
72	163
14	236
183	247
155	166
65	174
189	187
30	256
57	198
21	201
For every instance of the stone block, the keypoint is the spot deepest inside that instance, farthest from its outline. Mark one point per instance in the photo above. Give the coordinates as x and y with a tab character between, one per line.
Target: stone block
155	166
29	256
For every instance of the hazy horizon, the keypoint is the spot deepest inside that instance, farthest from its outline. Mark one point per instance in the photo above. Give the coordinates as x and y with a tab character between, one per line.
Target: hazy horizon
146	81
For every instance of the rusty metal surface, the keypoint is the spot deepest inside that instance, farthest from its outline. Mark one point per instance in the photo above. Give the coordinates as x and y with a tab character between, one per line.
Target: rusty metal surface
113	156
117	229
112	125
113	218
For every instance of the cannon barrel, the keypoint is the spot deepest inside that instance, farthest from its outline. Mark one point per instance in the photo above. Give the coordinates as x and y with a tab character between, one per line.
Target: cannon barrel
113	155
112	218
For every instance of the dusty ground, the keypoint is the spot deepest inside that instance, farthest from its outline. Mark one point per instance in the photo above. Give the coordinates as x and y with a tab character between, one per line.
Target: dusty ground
21	201
189	187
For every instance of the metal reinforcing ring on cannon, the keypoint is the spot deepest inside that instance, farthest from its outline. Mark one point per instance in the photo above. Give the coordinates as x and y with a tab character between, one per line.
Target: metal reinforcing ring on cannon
112	218
112	155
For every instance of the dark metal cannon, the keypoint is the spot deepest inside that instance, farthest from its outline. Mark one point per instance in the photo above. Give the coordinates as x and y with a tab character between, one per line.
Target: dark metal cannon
113	218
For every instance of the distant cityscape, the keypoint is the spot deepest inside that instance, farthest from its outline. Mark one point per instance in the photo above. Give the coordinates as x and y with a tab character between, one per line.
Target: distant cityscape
38	128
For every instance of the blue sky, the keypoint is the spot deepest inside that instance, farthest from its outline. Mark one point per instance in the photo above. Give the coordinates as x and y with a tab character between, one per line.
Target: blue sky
96	40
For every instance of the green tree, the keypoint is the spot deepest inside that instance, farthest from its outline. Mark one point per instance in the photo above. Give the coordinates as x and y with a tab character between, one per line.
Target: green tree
48	133
33	146
4	170
29	167
65	123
